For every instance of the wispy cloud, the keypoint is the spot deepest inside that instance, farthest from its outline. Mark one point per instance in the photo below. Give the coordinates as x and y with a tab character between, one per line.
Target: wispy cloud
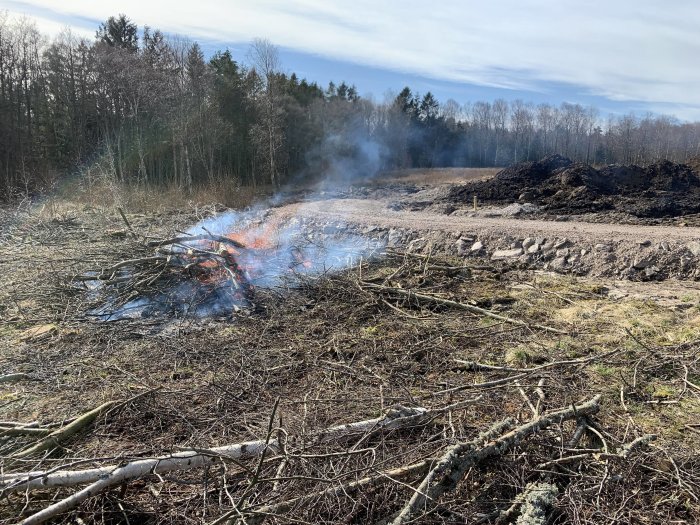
630	50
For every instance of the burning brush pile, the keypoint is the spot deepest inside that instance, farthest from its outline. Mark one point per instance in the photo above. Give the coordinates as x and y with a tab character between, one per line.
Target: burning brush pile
214	268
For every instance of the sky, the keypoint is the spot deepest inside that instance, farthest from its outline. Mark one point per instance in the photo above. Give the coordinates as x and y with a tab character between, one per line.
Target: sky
618	55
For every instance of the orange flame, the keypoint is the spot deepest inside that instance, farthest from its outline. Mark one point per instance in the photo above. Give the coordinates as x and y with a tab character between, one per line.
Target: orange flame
263	239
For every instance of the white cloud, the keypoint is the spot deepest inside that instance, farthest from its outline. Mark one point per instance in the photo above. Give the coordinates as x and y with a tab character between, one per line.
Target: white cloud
51	27
632	50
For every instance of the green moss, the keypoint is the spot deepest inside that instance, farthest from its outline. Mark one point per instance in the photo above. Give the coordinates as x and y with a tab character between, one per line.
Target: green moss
604	370
522	356
661	391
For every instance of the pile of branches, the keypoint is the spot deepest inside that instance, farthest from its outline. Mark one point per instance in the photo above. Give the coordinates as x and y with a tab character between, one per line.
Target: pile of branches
254	472
192	273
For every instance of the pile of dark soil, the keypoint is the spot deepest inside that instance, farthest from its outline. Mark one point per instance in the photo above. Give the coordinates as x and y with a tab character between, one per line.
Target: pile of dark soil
557	184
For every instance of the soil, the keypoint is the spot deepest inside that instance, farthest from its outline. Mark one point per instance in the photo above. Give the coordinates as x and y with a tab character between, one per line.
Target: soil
561	187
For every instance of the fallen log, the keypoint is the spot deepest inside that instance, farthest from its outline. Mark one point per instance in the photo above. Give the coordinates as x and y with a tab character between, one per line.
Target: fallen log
400	417
55	438
459	459
12	378
527	499
102	478
24	431
536	502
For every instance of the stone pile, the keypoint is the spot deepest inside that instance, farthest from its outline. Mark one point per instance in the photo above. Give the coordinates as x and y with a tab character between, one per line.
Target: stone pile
622	259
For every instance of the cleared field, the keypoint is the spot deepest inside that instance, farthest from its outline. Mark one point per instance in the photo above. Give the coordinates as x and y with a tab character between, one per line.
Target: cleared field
471	341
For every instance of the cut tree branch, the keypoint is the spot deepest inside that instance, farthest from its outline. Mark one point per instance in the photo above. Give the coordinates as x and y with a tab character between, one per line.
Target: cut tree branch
462	306
55	438
195	238
457	460
400	417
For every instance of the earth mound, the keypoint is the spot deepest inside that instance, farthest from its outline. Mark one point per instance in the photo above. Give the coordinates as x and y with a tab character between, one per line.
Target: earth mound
558	185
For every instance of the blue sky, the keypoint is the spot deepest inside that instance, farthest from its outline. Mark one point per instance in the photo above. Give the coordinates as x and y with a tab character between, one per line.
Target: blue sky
618	55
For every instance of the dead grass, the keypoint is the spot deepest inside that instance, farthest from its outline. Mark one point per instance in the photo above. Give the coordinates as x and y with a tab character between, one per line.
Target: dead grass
440	175
154	199
335	352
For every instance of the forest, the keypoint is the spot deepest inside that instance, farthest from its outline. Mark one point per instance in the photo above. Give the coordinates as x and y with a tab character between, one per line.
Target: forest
139	107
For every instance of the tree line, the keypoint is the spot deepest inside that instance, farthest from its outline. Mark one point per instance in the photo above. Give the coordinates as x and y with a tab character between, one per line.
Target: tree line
139	107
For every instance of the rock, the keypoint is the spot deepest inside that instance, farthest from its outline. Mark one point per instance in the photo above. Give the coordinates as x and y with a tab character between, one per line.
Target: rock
651	272
584	252
527	196
645	242
461	246
642	262
506	254
477	246
694	248
562	252
558	264
529	241
518	209
534	248
626	273
603	248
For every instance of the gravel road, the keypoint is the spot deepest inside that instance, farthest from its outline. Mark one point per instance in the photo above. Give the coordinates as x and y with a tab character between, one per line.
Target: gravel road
377	213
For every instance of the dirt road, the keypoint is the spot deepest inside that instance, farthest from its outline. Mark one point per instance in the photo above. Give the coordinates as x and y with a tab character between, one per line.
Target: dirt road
377	213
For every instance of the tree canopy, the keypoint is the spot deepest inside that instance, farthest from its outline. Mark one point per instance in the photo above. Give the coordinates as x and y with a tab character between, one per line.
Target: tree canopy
144	108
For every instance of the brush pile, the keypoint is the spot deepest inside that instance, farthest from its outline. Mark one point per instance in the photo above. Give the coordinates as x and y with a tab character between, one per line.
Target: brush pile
192	274
214	274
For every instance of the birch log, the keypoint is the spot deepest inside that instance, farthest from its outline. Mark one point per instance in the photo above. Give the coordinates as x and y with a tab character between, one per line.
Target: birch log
400	417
